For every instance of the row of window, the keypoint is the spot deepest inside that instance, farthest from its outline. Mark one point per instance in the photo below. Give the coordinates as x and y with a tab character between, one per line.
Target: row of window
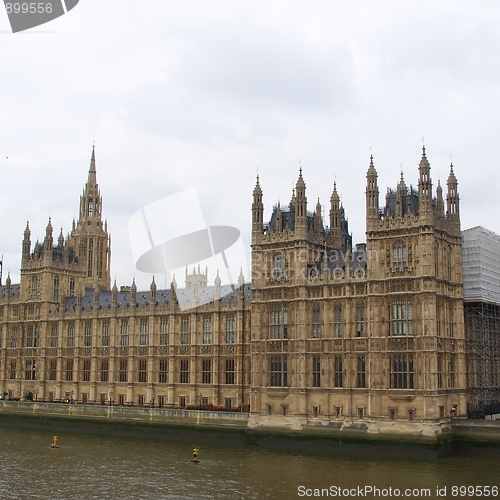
32	334
401	315
402	376
401	371
123	366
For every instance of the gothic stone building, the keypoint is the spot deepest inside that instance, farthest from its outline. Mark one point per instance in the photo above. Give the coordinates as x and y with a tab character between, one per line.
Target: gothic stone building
324	331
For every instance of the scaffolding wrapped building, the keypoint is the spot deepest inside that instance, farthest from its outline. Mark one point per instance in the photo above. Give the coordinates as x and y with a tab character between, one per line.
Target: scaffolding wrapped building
481	273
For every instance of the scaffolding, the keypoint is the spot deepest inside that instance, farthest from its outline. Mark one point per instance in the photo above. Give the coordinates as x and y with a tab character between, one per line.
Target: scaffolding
481	268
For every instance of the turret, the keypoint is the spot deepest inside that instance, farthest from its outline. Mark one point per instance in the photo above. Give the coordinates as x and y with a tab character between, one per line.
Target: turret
26	243
439	201
318	221
217	286
424	185
152	291
257	212
300	207
335	219
453	209
48	241
372	197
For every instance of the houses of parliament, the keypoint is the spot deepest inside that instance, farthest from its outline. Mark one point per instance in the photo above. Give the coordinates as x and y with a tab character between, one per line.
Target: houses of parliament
325	330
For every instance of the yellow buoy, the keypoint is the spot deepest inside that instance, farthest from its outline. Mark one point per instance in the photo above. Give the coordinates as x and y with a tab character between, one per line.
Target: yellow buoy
54	442
195	456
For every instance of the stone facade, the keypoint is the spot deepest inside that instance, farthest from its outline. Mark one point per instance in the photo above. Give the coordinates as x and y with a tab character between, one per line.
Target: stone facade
324	330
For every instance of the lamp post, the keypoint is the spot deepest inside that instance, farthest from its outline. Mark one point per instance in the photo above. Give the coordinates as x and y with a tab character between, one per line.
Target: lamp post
200	397
153	398
36	393
110	398
72	395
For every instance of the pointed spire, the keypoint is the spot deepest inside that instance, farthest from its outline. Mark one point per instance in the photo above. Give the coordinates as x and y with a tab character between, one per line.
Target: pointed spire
27	231
48	229
424	162
257	189
371	167
60	240
241	279
451	177
92	171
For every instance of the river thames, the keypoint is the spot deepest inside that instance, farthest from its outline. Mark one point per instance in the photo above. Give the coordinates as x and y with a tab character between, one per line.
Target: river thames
95	467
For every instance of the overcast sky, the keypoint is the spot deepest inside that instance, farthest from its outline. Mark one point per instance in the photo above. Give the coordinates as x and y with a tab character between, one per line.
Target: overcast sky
200	94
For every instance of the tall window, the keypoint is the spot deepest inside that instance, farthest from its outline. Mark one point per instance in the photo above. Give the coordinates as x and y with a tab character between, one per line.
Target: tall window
337	322
185	331
164	332
86	370
53	369
143	338
54	336
31	336
104	370
206	371
34	286
278	372
105	335
69	369
230	330
87	335
436	260
316	325
56	288
452	321
402	317
30	370
438	320
124	333
122	373
229	371
143	370
207	331
71	287
163	372
90	206
360	320
184	371
278	323
400	254
402	372
338	371
14	338
440	367
316	372
451	372
12	369
279	266
361	371
90	257
71	336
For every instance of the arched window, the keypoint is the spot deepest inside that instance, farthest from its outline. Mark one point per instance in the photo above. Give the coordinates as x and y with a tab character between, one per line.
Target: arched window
399	254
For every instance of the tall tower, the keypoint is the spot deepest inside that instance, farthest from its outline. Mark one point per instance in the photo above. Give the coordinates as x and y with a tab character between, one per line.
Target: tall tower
257	213
372	197
335	219
89	239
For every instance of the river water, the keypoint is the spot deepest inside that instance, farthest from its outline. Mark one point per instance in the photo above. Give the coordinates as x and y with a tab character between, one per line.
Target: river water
94	467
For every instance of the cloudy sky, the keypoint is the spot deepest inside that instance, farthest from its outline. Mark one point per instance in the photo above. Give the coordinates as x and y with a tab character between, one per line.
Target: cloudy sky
202	94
